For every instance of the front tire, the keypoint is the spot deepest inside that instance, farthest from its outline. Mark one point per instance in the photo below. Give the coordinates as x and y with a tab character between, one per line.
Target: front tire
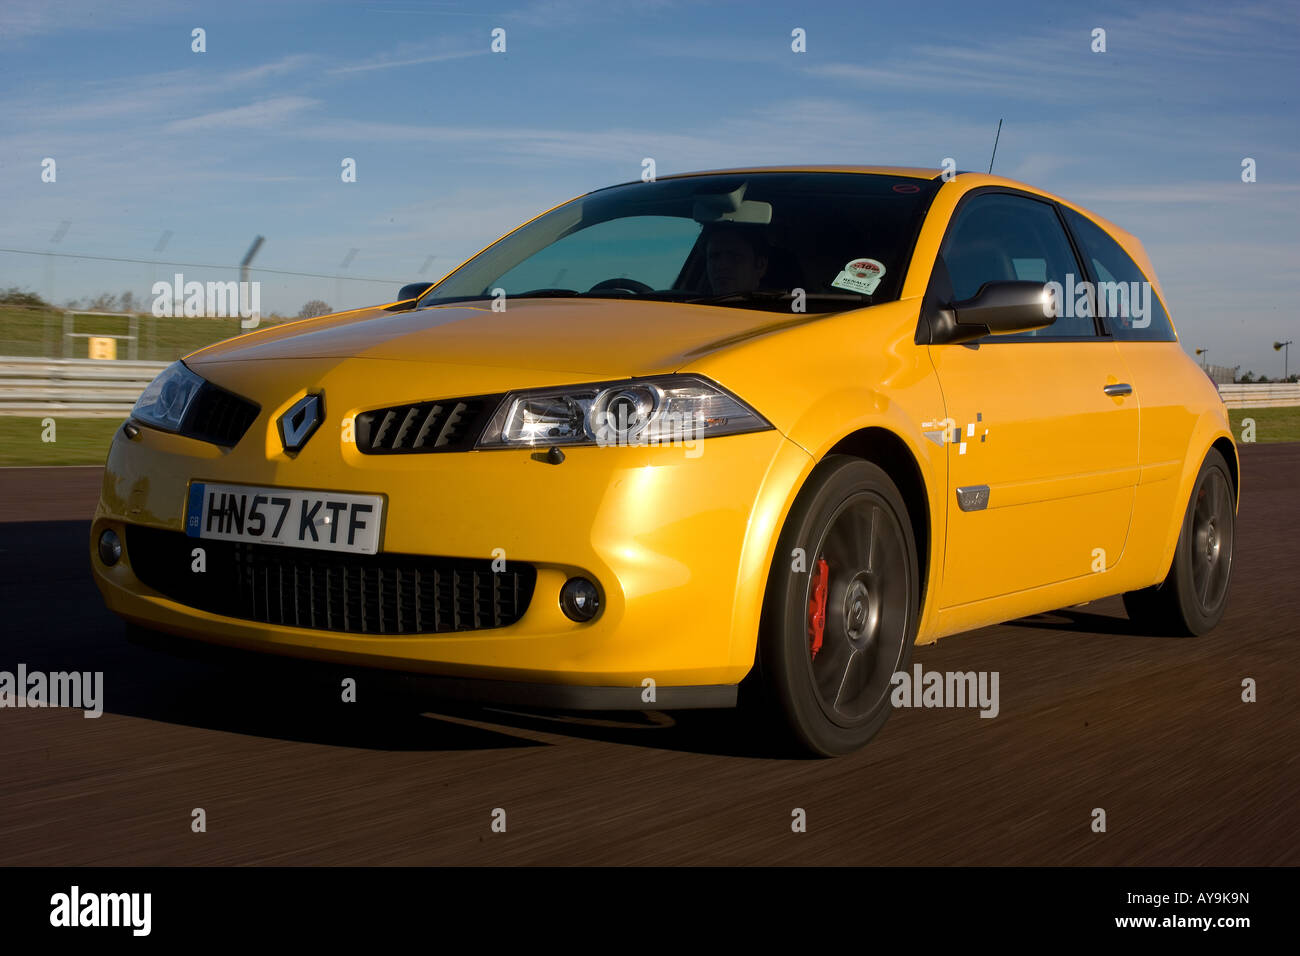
1192	598
841	608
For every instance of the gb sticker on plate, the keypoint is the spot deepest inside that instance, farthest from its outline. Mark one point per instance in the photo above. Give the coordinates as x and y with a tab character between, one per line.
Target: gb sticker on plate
860	275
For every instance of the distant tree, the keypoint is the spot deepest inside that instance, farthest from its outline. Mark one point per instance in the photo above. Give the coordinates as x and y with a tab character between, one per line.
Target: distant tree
16	296
314	308
104	302
127	301
1247	379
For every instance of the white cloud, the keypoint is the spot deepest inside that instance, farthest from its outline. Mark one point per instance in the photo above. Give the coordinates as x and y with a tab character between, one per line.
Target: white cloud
264	114
22	19
143	97
388	64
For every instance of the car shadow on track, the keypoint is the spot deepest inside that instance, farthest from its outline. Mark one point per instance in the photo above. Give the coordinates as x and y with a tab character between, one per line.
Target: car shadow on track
262	696
270	696
1072	620
722	733
57	622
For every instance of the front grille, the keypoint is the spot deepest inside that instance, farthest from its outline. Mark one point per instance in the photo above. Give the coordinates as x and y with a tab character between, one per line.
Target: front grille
218	416
327	591
421	427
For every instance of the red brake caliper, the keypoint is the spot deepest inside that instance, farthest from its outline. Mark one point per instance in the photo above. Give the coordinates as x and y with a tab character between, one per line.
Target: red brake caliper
817	606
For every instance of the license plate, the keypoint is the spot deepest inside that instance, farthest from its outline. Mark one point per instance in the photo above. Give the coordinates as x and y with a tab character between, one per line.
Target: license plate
324	520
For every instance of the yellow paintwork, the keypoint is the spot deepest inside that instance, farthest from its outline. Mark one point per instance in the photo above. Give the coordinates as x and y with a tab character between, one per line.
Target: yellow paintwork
681	544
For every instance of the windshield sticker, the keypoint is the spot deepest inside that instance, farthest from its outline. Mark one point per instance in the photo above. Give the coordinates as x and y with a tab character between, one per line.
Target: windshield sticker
860	275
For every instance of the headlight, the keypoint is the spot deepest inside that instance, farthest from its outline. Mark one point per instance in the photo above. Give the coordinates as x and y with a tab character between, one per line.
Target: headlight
667	409
164	403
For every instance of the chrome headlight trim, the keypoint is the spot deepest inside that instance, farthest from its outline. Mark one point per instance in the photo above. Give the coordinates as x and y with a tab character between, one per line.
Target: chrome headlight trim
164	403
651	410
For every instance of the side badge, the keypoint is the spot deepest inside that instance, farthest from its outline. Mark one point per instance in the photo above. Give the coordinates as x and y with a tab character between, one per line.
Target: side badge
973	497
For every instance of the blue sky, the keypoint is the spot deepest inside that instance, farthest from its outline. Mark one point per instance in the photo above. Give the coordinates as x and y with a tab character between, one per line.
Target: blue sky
455	144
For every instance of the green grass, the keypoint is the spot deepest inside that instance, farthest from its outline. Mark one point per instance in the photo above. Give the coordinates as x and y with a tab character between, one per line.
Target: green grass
78	441
1271	424
39	332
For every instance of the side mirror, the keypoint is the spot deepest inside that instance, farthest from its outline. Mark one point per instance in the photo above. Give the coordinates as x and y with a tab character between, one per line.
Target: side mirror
998	308
412	290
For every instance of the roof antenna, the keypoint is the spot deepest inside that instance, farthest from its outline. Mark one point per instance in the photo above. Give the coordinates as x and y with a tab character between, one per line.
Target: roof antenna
995	147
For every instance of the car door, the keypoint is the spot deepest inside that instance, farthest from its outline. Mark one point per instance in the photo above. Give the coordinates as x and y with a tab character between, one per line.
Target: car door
1040	426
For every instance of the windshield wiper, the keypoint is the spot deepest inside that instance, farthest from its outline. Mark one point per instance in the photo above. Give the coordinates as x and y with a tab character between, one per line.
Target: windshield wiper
671	295
532	294
544	294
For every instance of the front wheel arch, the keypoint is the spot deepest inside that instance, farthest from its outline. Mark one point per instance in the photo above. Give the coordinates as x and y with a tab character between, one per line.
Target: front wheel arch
883	448
779	688
887	450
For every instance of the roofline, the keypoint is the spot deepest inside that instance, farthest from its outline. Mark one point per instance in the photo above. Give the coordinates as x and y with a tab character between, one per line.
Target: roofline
901	172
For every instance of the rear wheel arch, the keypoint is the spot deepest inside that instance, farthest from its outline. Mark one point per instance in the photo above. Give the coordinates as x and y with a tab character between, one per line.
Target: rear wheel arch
1192	468
1190	599
1228	450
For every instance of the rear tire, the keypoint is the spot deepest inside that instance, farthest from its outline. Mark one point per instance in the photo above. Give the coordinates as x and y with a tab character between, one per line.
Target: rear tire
831	696
1192	598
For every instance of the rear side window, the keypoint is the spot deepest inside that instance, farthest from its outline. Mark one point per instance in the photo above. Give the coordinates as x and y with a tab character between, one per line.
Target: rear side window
1126	301
1000	237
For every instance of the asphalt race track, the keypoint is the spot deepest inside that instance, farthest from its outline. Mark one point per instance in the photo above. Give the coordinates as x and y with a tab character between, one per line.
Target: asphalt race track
1152	730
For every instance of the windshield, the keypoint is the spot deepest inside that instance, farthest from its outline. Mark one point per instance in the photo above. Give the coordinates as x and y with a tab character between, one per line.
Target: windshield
750	240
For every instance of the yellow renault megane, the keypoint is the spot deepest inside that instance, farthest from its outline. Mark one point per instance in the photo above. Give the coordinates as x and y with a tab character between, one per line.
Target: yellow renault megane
739	435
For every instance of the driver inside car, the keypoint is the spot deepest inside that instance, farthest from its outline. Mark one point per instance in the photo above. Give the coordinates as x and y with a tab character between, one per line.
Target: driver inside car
736	258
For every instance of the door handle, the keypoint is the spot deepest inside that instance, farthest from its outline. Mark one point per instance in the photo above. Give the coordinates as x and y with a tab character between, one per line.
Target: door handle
1120	389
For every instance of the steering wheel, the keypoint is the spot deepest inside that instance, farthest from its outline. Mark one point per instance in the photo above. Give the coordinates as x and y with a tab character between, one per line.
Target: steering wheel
627	285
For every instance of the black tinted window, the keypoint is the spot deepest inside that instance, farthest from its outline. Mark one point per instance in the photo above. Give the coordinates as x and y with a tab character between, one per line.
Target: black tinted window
998	237
1126	301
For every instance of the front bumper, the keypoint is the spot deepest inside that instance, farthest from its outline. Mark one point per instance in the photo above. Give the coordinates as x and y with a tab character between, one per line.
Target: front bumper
678	540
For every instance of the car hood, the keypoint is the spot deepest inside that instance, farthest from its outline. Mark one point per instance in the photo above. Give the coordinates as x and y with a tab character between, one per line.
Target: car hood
595	338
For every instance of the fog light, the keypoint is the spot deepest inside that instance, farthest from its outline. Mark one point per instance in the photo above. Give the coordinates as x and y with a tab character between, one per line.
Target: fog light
579	600
110	548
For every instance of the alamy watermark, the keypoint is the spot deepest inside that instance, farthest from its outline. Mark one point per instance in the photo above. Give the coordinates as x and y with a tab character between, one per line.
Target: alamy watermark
75	908
922	688
224	300
81	689
1123	300
625	426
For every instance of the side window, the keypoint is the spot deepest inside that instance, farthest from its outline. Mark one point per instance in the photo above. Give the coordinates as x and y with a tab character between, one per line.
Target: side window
1126	300
998	237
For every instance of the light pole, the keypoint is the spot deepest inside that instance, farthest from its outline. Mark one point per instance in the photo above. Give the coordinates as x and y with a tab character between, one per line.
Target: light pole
1285	349
338	279
253	320
1204	362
